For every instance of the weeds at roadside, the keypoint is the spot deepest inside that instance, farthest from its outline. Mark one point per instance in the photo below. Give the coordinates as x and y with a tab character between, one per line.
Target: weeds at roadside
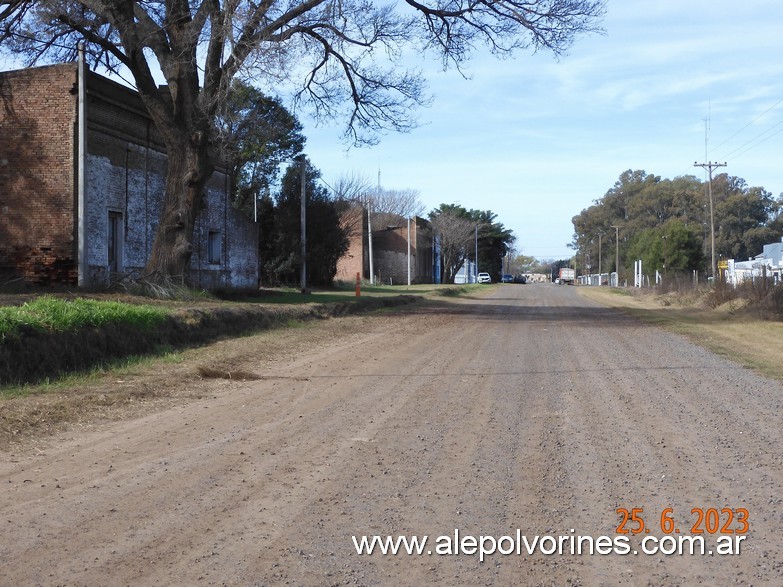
763	296
119	367
161	288
237	375
57	315
721	293
453	292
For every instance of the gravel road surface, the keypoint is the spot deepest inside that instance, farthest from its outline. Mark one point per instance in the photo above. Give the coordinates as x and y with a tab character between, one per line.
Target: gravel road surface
528	412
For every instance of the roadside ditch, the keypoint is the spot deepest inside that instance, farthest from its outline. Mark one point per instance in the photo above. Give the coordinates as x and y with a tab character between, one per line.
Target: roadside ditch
32	356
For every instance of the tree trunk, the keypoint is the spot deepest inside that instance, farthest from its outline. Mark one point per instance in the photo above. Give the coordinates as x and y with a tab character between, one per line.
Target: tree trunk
189	169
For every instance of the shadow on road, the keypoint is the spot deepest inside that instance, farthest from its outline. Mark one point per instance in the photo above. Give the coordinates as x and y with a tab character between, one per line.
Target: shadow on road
492	311
566	306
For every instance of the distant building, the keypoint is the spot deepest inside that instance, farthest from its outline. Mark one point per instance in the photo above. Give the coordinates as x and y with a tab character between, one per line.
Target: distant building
467	273
355	260
769	263
389	250
773	255
51	235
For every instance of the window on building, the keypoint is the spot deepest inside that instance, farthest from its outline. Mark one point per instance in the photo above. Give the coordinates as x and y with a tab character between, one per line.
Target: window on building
214	244
114	242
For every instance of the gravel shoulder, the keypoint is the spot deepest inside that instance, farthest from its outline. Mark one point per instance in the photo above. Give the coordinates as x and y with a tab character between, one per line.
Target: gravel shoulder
528	408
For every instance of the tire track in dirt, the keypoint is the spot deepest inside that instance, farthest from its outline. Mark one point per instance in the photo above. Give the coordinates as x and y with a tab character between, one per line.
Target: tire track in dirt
528	408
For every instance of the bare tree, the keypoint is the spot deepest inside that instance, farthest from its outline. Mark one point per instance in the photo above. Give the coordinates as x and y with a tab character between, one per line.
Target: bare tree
344	56
387	207
391	204
455	235
352	187
254	135
350	192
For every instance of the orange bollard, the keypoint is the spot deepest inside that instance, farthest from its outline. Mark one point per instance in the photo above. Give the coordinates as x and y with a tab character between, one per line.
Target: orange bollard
358	284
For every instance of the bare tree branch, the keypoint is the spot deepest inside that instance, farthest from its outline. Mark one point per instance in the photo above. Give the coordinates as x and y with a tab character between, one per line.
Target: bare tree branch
345	59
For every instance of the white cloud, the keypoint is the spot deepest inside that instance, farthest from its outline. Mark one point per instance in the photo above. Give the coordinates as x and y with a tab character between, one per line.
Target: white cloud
537	140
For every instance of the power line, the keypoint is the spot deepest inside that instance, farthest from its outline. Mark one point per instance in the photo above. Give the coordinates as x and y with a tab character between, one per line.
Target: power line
750	144
741	150
747	125
755	141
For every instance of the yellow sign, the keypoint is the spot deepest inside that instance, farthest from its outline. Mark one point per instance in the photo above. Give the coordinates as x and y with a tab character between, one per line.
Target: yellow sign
723	264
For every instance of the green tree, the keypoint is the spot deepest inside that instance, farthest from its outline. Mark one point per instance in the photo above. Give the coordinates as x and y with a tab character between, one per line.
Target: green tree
522	264
776	221
256	135
494	241
455	234
744	218
327	240
346	59
670	248
461	231
639	202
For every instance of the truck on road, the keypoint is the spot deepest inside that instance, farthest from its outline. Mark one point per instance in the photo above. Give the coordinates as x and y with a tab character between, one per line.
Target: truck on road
566	276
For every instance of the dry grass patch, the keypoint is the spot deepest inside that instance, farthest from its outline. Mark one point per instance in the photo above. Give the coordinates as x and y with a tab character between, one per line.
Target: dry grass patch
31	413
728	330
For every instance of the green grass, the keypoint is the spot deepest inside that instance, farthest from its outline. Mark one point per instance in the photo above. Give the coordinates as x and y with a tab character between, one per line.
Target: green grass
345	292
121	367
56	315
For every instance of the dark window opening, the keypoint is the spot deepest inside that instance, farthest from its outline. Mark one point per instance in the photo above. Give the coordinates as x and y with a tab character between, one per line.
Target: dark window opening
114	243
214	246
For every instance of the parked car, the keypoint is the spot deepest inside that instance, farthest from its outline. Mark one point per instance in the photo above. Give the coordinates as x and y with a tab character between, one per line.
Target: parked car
506	278
484	278
520	279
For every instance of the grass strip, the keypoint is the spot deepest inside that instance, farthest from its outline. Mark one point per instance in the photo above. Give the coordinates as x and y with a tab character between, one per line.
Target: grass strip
51	314
66	337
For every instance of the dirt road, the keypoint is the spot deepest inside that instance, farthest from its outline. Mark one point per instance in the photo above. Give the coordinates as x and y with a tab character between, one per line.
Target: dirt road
530	409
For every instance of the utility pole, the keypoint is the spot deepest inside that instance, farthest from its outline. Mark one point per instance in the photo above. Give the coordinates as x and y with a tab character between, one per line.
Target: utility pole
81	171
476	268
303	224
409	252
709	166
600	234
617	253
369	238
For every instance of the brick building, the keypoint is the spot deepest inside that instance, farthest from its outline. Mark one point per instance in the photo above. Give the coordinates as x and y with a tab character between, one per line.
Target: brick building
355	259
389	249
81	194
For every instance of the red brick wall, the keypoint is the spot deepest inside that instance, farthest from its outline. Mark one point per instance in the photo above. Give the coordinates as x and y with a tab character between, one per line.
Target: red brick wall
391	259
390	251
390	255
421	240
124	174
37	193
353	261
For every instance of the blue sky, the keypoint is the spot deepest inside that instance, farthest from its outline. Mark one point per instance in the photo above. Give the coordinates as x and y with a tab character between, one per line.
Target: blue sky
536	140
